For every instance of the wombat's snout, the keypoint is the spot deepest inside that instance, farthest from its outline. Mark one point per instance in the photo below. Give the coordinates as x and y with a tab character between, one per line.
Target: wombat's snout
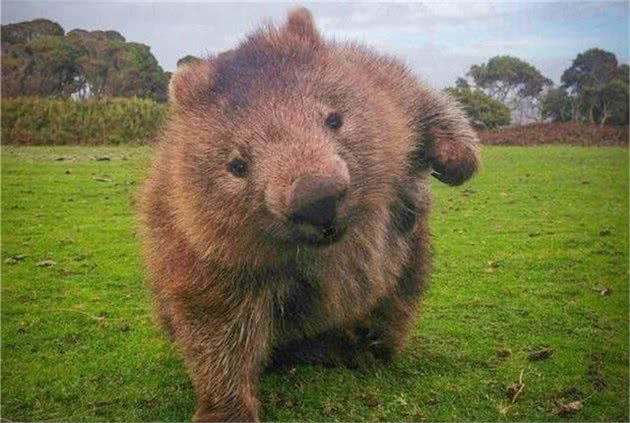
311	200
315	200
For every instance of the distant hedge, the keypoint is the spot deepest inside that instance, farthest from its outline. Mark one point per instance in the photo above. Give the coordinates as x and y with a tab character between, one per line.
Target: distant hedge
575	133
44	121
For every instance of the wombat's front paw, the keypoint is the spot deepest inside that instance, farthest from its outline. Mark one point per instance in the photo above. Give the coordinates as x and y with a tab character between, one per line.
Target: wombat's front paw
362	360
371	349
382	352
453	162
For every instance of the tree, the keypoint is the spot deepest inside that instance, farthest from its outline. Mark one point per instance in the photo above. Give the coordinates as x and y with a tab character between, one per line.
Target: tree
557	105
599	87
613	102
25	32
44	66
140	74
187	60
35	60
114	67
593	68
39	59
623	73
513	82
461	83
53	67
505	76
481	109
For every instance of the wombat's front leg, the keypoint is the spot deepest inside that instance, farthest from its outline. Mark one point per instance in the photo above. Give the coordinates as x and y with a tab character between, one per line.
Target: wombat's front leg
387	329
224	351
449	143
336	347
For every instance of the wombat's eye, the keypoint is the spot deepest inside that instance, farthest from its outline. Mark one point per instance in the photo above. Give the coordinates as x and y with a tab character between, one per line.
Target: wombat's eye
334	120
238	167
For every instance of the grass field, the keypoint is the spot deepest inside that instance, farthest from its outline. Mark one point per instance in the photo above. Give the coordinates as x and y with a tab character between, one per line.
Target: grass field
531	256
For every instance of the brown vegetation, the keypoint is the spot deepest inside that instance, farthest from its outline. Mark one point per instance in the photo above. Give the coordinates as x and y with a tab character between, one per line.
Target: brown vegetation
575	133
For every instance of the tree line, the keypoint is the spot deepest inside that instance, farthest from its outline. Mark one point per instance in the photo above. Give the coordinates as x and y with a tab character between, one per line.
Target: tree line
593	89
40	59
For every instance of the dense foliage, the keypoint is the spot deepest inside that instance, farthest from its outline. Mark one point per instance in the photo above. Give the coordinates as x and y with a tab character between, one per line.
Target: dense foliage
39	59
482	110
39	121
505	76
556	105
188	59
597	88
594	89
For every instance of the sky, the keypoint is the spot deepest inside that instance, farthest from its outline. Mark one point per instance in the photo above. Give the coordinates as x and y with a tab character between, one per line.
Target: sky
439	41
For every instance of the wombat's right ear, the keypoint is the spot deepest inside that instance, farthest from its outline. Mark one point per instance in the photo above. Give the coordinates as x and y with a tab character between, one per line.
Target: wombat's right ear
191	84
300	24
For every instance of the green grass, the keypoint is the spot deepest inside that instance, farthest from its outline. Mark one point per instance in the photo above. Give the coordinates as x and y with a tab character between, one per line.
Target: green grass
521	254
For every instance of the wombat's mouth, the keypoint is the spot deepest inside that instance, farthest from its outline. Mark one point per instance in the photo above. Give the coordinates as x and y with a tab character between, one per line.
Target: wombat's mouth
318	236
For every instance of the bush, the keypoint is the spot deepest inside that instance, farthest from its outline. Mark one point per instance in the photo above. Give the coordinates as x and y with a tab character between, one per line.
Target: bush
556	104
45	121
482	110
576	133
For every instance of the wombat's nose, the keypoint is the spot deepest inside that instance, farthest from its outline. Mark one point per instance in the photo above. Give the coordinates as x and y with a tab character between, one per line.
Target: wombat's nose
314	200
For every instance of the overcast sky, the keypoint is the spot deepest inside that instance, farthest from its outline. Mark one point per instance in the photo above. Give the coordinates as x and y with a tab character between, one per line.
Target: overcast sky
438	40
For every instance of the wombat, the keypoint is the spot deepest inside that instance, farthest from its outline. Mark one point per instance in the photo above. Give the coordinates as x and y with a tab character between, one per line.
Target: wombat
285	214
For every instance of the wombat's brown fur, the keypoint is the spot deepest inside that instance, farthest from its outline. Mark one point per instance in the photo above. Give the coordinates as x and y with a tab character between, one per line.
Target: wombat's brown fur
285	215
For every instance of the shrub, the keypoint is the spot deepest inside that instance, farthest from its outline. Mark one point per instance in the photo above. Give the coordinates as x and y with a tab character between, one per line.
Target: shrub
482	110
45	121
557	105
576	133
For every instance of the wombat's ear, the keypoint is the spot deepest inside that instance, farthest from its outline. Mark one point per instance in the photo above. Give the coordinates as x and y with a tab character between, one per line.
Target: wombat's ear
300	24
448	144
191	83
